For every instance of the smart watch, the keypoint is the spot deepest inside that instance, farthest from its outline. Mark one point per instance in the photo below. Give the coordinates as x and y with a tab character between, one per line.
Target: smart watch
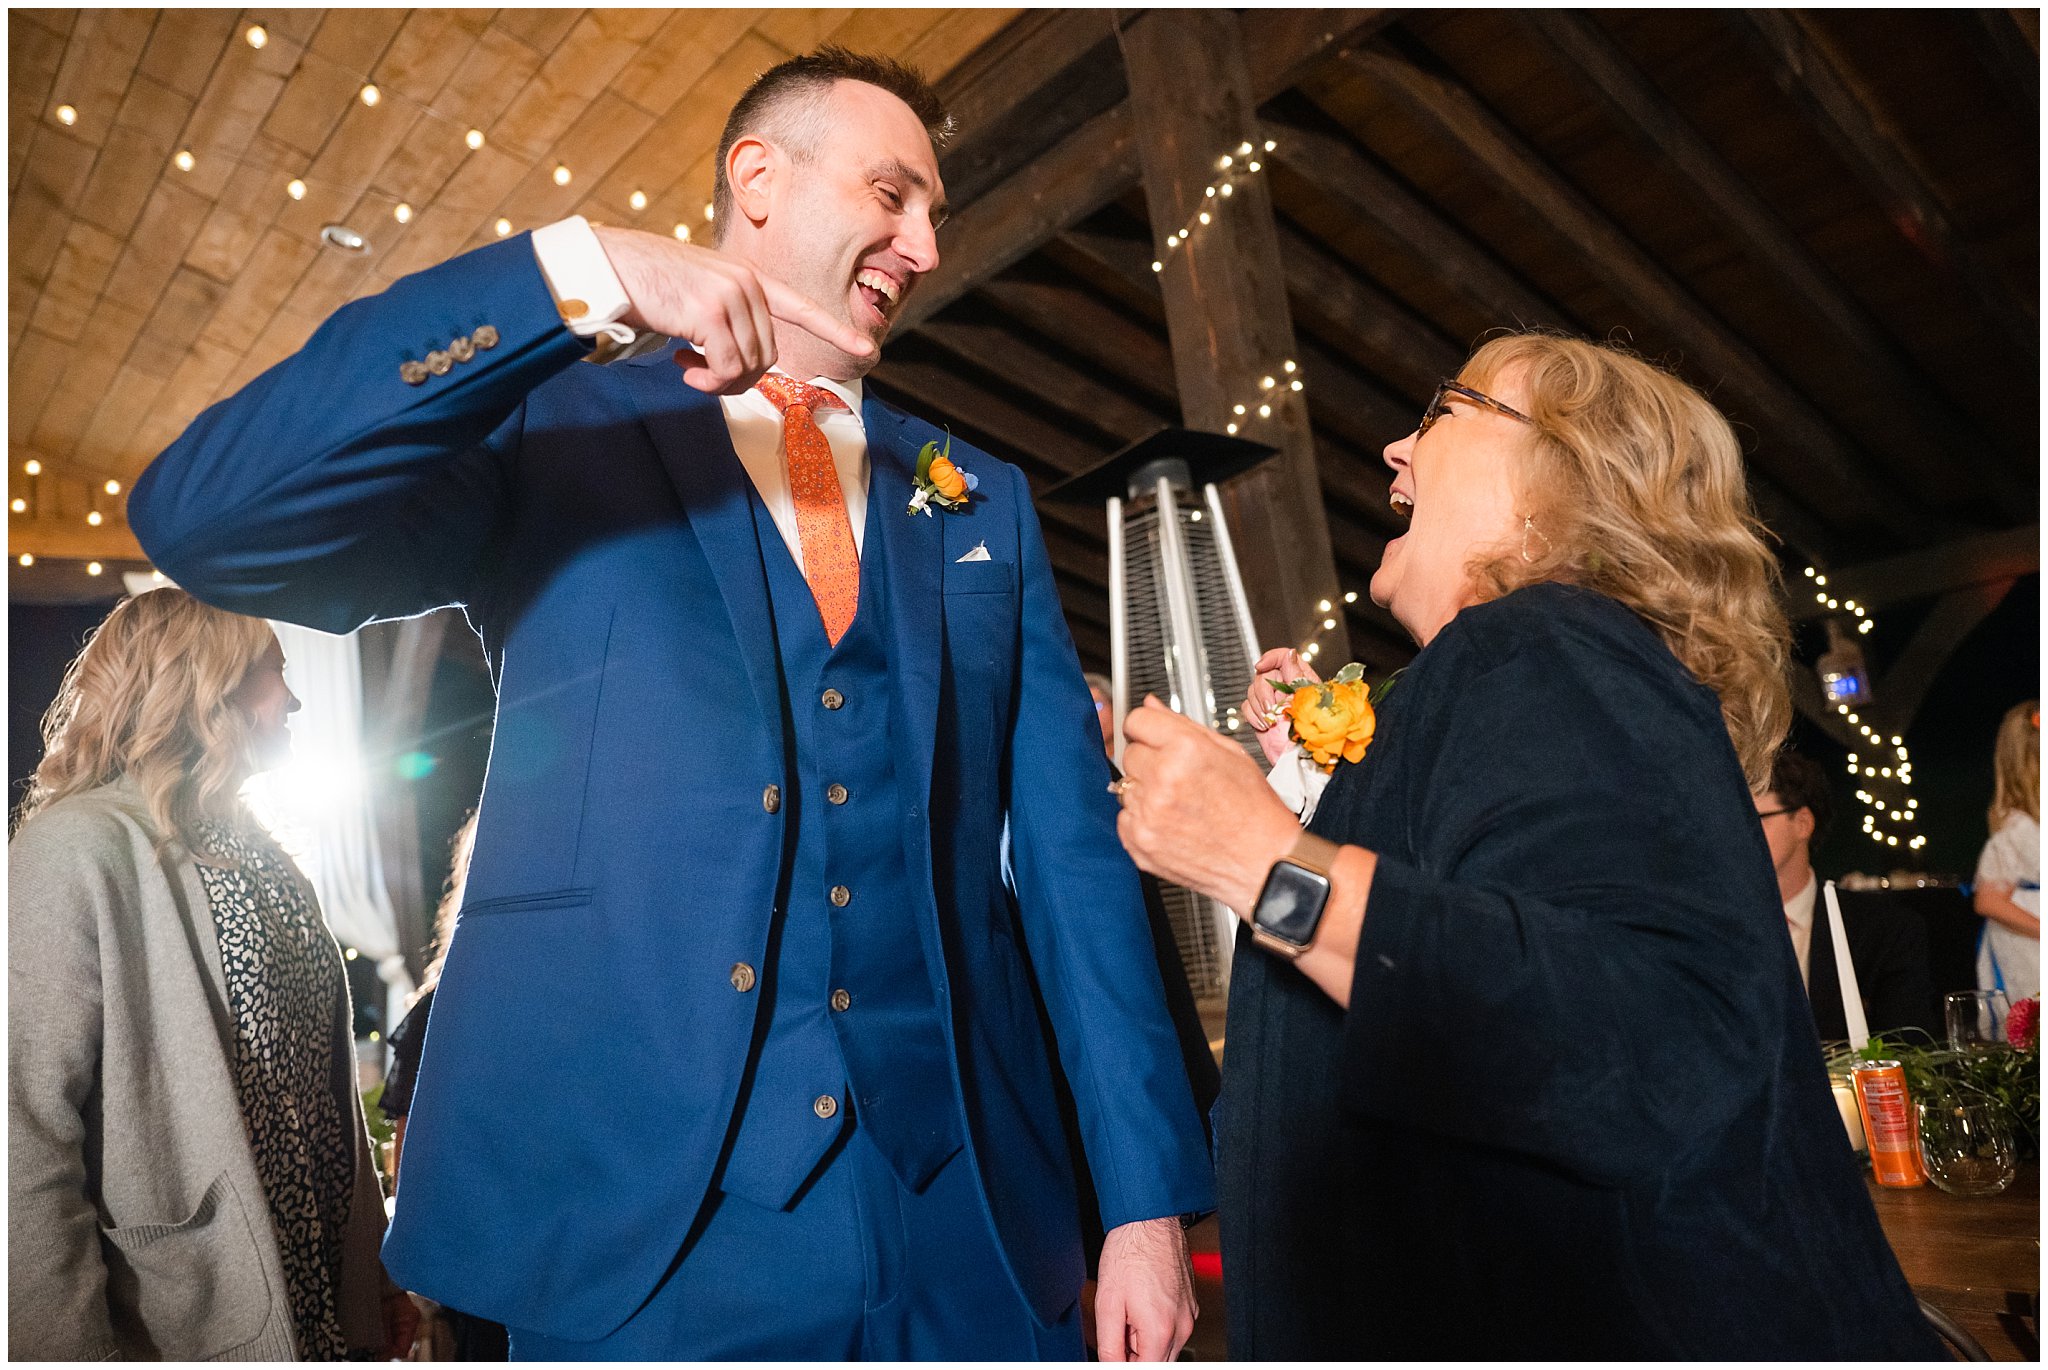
1290	907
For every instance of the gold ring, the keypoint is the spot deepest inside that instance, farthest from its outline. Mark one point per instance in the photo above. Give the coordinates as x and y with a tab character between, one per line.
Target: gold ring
1121	784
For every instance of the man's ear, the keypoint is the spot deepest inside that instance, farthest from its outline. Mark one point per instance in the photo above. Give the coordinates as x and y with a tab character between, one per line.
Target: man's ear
750	166
1802	825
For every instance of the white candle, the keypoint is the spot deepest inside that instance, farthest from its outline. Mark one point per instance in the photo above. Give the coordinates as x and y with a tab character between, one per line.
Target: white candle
1845	973
1852	1121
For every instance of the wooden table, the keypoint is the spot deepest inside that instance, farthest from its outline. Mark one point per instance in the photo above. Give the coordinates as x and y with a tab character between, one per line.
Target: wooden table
1977	1260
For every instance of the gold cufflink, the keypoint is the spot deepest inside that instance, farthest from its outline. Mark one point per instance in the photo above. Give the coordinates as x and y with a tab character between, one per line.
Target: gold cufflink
571	310
412	373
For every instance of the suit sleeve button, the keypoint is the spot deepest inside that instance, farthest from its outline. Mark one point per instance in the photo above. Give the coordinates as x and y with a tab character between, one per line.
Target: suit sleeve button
825	1106
485	337
742	976
462	349
412	373
439	362
771	799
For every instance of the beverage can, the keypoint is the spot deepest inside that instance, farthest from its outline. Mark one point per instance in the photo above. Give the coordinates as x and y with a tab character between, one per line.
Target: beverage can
1888	1125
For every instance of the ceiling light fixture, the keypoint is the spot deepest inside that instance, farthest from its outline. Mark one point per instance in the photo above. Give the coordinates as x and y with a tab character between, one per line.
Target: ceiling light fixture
296	189
403	213
256	36
93	568
113	487
710	213
19	505
32	467
370	95
561	175
66	115
183	161
27	559
345	238
94	519
638	199
475	139
683	232
503	226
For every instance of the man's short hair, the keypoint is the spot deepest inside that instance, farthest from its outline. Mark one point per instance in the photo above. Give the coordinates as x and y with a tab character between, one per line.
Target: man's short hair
1098	681
1800	783
783	103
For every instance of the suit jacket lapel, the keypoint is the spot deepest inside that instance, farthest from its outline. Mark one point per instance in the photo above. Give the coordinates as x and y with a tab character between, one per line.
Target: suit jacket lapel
688	428
911	548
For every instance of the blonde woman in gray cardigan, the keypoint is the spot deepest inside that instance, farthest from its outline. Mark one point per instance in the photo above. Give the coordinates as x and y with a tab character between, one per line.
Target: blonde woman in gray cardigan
188	1175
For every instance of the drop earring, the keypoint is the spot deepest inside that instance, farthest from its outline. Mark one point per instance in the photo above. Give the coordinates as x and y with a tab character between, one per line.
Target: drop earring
1528	527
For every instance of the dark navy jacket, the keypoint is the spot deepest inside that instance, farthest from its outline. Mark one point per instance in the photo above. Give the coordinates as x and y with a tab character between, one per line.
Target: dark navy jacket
1576	1108
588	1040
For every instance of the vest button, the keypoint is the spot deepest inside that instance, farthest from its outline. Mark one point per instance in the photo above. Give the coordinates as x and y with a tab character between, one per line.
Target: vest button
840	896
836	793
841	1001
832	699
742	976
824	1106
771	798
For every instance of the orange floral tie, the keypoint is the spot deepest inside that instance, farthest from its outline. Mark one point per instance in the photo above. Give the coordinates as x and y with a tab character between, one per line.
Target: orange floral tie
831	563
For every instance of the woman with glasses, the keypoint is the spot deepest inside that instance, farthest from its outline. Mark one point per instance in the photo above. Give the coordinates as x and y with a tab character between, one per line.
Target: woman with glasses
188	1175
1519	1063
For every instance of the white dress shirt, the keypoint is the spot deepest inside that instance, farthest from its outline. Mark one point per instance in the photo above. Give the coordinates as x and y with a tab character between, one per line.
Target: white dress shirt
1799	923
573	263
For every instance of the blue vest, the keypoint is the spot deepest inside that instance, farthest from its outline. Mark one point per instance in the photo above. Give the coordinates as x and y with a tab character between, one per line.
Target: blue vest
846	996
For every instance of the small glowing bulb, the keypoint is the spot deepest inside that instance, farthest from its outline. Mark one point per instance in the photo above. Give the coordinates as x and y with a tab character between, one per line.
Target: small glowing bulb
1323	606
1351	596
1270	145
561	175
1266	382
256	36
1223	162
403	213
1203	216
1244	148
683	233
370	95
638	200
32	466
502	227
1898	742
93	518
93	568
1329	623
710	213
1288	366
156	577
112	487
1208	192
1820	579
475	139
1230	428
296	188
184	161
350	954
1159	266
66	115
1810	573
1237	409
1224	190
27	559
1265	411
1864	626
1854	719
1294	385
1254	167
19	505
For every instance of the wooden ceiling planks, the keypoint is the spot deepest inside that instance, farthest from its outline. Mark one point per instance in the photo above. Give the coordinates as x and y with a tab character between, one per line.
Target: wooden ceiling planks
140	293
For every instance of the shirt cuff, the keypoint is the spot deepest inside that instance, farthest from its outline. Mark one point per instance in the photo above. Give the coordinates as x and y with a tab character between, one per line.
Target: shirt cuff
586	289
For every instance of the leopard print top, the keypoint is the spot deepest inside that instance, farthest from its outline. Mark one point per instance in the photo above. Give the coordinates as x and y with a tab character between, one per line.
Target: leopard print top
286	988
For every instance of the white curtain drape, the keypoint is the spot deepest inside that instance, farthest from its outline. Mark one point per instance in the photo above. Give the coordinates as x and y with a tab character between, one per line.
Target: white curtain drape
318	806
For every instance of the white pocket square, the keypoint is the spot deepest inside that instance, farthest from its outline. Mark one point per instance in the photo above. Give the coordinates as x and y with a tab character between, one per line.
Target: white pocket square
980	553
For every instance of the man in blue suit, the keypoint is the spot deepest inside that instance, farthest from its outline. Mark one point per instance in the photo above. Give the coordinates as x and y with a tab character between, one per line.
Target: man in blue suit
796	914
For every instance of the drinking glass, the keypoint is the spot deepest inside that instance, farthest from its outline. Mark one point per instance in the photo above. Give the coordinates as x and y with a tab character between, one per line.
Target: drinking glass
1976	1019
1966	1147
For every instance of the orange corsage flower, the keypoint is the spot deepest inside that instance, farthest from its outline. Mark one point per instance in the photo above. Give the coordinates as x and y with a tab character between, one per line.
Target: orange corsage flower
939	481
944	475
1334	719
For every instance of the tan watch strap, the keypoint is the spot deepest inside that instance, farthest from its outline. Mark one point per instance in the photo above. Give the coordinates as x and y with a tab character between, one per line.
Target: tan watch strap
1311	853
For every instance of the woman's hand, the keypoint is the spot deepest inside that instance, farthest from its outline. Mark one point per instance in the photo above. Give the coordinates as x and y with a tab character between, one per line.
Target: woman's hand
1196	810
1264	705
401	1322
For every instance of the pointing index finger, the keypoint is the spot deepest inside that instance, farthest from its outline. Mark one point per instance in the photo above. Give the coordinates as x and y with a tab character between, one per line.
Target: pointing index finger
790	307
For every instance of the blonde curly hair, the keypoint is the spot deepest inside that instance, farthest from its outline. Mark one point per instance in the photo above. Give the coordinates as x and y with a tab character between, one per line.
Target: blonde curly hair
1635	487
2016	765
148	699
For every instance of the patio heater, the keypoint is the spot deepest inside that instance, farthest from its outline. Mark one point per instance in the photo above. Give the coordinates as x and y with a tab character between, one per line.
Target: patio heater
1179	627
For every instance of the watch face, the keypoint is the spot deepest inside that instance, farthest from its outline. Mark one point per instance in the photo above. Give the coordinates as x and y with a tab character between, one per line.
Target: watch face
1292	903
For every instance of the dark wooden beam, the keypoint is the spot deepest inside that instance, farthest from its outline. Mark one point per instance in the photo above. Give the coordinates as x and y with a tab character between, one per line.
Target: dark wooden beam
1928	433
1980	560
1831	475
1903	689
1804	64
1060	386
1022	91
1387	339
1226	304
1116	344
1095	163
2008	42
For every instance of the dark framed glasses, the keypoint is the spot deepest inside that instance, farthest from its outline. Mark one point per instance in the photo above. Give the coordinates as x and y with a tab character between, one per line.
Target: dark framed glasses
1445	389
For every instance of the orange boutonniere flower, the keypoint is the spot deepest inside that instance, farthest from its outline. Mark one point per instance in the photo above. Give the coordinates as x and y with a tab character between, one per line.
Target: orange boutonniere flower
1333	719
939	481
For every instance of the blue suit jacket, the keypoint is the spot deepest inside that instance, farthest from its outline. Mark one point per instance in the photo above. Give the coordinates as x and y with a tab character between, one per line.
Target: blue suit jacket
586	1042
